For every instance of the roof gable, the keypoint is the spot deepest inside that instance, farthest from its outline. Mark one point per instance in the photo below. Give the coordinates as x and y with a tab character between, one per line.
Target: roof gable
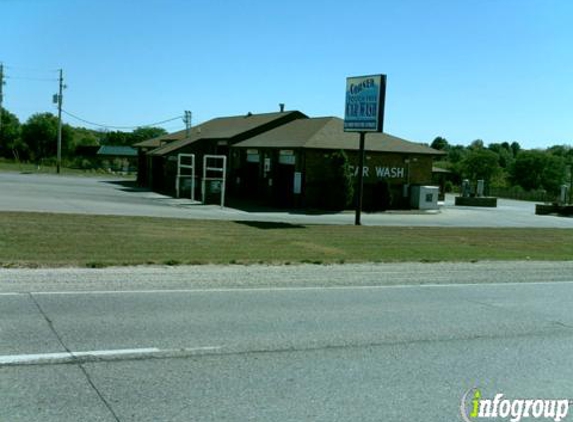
328	133
230	128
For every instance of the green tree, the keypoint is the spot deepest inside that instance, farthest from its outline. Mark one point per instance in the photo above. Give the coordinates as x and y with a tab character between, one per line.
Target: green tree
536	169
440	144
504	152
85	137
454	159
339	184
554	173
477	144
515	148
10	136
482	164
144	133
456	153
528	168
116	137
564	151
129	138
40	134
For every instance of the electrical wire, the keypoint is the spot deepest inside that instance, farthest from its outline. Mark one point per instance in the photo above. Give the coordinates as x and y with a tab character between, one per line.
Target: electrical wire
118	127
25	78
30	69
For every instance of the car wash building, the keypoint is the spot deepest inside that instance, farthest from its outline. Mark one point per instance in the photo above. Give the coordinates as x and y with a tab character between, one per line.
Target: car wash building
158	158
288	165
283	159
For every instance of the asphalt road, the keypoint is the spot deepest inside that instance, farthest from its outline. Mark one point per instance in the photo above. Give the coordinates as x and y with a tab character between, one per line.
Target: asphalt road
87	195
280	343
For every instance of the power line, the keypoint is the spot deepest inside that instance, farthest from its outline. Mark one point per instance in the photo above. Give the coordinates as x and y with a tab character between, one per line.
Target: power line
118	127
31	69
58	97
26	78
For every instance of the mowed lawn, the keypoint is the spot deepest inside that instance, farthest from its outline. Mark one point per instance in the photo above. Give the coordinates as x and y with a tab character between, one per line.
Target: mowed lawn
46	240
12	167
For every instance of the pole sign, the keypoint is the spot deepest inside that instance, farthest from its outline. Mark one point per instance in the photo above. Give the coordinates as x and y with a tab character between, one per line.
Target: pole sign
365	97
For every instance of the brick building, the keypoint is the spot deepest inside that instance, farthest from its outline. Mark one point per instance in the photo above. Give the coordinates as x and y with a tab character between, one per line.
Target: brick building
281	159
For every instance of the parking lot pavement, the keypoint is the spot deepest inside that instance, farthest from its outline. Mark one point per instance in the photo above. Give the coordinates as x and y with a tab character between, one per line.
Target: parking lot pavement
108	196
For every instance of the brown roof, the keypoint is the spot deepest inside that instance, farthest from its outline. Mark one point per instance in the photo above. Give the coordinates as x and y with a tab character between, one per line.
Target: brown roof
226	128
328	133
160	140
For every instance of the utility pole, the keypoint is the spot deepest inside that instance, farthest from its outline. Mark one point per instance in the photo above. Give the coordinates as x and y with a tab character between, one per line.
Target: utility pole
187	121
60	99
571	180
1	94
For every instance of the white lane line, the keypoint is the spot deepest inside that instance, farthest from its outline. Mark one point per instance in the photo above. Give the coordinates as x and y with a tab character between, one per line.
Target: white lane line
75	357
303	288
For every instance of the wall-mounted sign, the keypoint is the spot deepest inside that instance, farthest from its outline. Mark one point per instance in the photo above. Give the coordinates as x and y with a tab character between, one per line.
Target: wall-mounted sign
253	156
365	97
286	156
381	172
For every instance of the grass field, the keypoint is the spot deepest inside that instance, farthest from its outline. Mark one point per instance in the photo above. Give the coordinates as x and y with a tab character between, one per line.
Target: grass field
10	166
49	240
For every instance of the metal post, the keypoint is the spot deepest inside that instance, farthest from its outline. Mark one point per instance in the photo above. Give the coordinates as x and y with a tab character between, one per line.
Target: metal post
360	180
187	120
1	94
571	183
59	153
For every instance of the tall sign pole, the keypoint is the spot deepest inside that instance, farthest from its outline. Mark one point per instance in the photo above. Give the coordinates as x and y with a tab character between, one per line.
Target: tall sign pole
360	192
364	112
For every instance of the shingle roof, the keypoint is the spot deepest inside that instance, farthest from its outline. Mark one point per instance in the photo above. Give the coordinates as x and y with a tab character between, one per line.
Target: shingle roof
224	128
118	151
161	140
328	133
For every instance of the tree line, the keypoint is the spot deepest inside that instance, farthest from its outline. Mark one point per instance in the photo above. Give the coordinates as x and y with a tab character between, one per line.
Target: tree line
35	140
501	165
507	165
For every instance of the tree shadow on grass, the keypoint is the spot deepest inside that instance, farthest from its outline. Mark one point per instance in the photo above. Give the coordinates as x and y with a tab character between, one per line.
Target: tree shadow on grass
269	225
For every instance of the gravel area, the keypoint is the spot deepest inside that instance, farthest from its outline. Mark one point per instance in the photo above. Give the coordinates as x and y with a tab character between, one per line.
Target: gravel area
258	276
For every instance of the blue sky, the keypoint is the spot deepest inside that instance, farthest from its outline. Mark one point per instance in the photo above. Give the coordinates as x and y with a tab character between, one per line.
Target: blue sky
498	70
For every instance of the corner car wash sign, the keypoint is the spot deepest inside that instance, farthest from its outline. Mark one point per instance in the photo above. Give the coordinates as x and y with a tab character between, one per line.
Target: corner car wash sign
365	97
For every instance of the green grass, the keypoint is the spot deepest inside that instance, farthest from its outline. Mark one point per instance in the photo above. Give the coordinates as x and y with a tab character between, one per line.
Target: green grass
11	166
35	239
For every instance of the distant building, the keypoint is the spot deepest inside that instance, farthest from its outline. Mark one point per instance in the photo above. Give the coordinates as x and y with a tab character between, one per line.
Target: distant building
118	158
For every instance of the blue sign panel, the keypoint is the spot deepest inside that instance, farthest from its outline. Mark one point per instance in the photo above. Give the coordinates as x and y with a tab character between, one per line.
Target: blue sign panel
365	96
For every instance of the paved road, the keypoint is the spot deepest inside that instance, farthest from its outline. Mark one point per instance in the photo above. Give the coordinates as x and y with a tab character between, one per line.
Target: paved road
269	344
51	193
